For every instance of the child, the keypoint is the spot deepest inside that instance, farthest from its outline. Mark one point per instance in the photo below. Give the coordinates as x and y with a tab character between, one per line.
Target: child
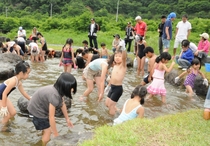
104	52
140	55
43	48
149	52
157	86
34	50
22	70
89	57
67	56
133	108
45	101
192	72
117	76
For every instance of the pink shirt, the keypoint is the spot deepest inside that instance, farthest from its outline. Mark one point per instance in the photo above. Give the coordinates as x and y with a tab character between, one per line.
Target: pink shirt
204	45
141	28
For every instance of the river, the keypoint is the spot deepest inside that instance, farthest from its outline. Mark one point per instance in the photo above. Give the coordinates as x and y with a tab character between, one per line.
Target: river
89	115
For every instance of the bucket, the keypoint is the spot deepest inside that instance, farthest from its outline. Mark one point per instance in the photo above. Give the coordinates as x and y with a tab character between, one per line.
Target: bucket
207	66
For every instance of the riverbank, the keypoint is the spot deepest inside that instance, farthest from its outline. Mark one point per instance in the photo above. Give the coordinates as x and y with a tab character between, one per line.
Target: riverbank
187	128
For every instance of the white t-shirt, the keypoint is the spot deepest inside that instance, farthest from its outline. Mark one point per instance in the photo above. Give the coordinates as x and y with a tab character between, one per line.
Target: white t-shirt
20	39
34	46
193	47
183	30
22	33
122	45
92	28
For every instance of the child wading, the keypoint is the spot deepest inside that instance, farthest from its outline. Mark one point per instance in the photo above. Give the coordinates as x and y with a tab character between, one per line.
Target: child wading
157	86
192	72
46	100
133	107
7	111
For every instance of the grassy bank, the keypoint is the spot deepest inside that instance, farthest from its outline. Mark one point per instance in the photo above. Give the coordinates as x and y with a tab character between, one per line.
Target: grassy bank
187	128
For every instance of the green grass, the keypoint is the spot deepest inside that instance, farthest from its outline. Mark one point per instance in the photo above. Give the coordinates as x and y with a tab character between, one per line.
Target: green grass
187	128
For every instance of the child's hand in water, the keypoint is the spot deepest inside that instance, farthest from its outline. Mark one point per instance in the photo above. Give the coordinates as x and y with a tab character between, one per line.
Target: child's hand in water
69	123
4	111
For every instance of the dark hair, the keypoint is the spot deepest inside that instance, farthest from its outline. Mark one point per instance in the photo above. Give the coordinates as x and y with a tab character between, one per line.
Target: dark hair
85	42
140	91
1	44
111	60
7	39
69	41
65	83
34	39
103	44
162	17
164	55
4	50
39	33
85	52
185	16
148	49
196	62
21	67
185	43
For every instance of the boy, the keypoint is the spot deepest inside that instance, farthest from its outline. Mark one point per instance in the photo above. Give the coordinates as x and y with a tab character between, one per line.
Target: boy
117	76
104	52
149	52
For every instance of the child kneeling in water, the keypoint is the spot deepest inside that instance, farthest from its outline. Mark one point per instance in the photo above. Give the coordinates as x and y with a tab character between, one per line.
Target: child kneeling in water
133	107
46	100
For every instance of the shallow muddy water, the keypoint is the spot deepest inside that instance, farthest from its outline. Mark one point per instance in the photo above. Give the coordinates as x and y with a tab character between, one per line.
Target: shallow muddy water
89	115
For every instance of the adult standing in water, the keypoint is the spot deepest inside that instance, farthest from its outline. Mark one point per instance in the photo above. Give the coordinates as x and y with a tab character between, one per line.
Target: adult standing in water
93	28
183	29
140	29
167	31
43	48
160	30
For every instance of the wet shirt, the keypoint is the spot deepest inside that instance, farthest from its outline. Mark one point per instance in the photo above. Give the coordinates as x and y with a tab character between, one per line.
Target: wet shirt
39	103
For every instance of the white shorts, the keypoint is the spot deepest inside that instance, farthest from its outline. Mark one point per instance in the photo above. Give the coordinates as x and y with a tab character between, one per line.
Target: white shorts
177	43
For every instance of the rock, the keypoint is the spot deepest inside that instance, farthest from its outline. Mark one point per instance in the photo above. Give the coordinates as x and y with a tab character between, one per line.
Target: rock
71	139
208	59
129	62
199	88
7	63
57	54
23	103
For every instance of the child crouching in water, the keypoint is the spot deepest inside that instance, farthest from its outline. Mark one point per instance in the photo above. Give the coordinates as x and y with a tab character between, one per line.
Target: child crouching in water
157	86
192	72
133	108
46	100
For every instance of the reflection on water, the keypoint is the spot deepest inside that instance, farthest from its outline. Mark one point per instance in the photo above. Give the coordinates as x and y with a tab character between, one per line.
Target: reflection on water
85	116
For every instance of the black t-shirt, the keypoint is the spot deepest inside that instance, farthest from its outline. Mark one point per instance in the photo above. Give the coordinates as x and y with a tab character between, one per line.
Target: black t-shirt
160	26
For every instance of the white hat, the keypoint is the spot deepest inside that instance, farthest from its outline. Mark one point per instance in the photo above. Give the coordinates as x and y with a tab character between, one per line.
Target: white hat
20	28
138	18
205	35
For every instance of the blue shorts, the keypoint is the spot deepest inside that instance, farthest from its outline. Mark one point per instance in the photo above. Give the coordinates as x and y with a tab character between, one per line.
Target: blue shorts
41	123
166	43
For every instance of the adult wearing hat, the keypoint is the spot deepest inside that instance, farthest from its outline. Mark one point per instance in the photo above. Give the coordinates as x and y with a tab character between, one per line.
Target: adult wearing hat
140	29
129	35
21	32
167	31
92	29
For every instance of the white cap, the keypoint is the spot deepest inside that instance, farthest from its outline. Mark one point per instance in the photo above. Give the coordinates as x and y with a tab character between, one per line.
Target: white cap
205	35
138	18
20	28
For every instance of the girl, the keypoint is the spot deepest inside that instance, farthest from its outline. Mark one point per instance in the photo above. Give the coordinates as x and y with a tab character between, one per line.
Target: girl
67	56
140	55
96	71
34	50
43	48
133	107
22	71
104	52
157	86
192	72
44	102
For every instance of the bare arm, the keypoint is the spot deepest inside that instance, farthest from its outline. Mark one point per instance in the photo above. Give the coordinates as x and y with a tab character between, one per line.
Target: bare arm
52	120
124	56
89	59
176	31
167	33
203	76
140	112
103	76
188	33
170	68
183	74
22	91
64	110
72	54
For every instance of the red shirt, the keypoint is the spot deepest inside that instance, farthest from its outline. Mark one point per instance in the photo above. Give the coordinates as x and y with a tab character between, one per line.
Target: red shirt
141	28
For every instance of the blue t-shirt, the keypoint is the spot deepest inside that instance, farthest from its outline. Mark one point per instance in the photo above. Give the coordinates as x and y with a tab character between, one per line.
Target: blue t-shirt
188	55
168	23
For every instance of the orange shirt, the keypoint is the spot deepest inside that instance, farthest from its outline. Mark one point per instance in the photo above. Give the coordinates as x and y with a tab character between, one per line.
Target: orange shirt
141	28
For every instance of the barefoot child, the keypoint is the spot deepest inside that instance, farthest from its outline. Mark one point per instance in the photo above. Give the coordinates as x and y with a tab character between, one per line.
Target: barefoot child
22	70
192	72
133	107
157	86
149	52
46	100
117	76
104	52
67	56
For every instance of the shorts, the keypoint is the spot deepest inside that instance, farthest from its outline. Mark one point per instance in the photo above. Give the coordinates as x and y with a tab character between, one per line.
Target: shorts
177	43
146	79
166	43
41	123
34	53
91	74
115	92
